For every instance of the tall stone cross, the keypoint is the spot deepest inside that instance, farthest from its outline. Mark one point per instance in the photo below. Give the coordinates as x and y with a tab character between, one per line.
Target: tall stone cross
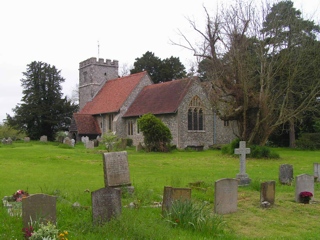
242	151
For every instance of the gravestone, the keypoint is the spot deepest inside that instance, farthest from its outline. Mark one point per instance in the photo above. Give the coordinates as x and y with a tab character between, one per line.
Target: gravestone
40	208
171	194
67	141
267	193
9	141
26	139
316	172
116	171
43	138
242	177
286	174
89	144
83	139
4	141
139	147
73	142
304	182
106	204
95	143
225	196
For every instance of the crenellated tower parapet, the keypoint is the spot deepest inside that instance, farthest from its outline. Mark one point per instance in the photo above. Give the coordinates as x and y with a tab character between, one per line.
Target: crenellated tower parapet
93	73
100	61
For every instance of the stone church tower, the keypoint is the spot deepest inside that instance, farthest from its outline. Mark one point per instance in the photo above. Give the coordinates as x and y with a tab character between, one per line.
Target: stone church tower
93	74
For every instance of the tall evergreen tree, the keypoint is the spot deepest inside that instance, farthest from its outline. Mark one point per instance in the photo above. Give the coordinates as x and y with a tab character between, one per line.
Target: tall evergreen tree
159	70
43	110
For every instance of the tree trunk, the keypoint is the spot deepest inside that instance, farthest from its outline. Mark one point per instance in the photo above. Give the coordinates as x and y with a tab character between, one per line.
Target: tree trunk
292	134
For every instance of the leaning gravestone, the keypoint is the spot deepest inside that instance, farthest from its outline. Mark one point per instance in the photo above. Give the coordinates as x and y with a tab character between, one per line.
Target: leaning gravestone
116	170
316	172
304	182
286	174
225	196
43	138
267	193
242	177
171	194
89	144
106	204
40	208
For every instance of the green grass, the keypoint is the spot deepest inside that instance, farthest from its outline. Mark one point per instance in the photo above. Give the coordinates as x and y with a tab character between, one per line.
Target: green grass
72	173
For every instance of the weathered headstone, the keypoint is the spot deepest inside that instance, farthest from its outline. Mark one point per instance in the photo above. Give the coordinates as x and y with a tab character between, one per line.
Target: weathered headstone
4	141
267	194
73	142
304	182
243	178
139	147
116	169
83	139
226	196
171	194
67	141
26	139
286	174
316	171
106	204
40	208
43	138
95	143
89	144
9	141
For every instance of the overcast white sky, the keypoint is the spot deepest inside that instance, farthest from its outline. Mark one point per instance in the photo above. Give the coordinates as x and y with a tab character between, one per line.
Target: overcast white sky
64	33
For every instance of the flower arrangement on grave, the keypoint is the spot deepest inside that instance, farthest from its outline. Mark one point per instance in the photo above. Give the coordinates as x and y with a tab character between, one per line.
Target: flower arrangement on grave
18	195
305	196
44	231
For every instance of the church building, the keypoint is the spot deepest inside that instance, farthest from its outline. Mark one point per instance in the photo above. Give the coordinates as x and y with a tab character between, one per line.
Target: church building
111	103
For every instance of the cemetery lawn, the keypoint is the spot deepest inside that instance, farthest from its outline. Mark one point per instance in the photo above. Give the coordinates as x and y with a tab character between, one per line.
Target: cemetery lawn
72	173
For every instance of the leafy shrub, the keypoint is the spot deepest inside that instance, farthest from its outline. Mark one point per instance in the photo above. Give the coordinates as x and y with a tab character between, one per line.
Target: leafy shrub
229	148
262	152
309	141
256	151
129	142
157	135
111	141
188	215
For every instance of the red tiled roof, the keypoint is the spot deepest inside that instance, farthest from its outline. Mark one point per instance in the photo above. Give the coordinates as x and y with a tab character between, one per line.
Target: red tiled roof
159	98
112	95
86	124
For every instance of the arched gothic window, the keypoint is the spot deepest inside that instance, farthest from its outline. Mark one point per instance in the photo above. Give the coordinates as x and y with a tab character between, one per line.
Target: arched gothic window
195	115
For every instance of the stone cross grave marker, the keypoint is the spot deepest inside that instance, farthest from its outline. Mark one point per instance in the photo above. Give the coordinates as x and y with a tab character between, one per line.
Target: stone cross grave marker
171	194
316	172
106	204
267	194
116	169
286	174
225	195
40	208
242	177
304	182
